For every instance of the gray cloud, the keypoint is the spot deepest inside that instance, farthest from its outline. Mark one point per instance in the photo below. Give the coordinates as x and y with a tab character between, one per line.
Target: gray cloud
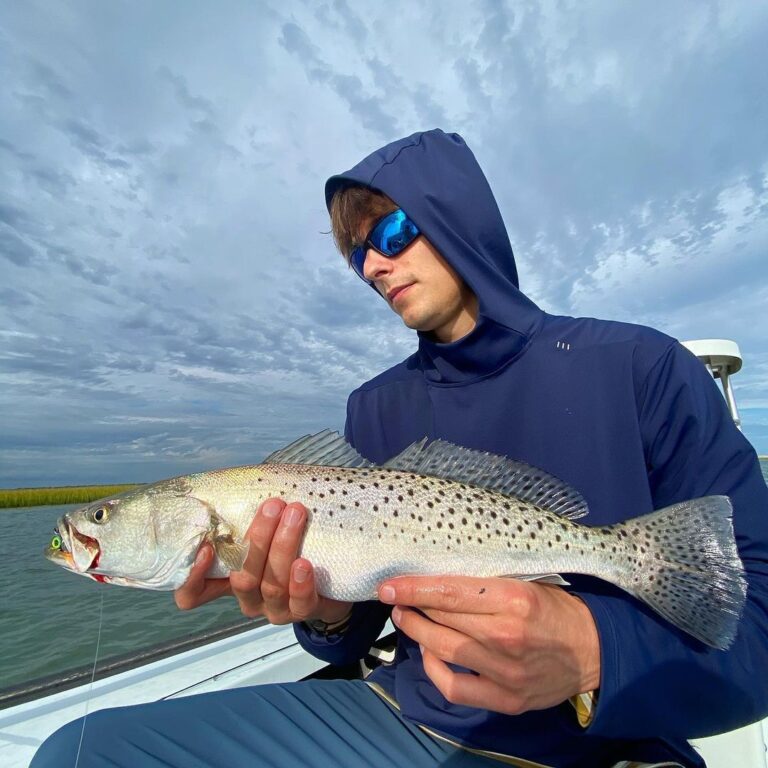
13	248
168	303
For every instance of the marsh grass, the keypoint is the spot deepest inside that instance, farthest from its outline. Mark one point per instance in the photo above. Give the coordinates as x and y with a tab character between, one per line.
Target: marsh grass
68	494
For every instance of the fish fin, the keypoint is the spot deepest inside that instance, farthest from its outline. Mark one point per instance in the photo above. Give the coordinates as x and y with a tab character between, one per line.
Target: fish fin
231	553
692	573
541	578
326	449
493	472
228	549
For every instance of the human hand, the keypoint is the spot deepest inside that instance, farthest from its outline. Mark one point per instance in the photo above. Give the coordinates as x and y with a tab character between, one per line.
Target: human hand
273	582
532	645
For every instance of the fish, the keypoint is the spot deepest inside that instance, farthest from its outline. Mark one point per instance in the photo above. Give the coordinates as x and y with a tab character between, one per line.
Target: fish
434	509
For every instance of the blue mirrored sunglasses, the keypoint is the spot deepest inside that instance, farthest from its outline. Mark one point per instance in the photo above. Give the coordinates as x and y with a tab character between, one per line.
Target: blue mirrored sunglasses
389	236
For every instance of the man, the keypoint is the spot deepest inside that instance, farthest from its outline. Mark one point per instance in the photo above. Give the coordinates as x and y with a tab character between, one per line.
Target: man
622	413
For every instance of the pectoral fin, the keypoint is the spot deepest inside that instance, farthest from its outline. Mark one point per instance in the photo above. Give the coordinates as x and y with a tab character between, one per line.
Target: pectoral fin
230	550
543	578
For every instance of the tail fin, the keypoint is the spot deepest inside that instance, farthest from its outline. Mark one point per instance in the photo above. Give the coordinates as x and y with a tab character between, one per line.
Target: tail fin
691	572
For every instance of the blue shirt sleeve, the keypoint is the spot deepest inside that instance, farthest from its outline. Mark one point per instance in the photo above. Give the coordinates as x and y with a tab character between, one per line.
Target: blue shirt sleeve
655	678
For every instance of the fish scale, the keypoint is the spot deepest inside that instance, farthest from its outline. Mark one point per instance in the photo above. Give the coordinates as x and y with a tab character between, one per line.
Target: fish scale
366	525
434	509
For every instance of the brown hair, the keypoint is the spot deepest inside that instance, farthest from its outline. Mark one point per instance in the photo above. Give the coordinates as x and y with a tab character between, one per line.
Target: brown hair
351	207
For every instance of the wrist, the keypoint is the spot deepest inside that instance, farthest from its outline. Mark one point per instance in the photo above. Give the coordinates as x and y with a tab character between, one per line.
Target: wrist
336	626
589	647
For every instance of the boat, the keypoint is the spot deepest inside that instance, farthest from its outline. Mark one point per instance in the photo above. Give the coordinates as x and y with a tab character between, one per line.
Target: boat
254	652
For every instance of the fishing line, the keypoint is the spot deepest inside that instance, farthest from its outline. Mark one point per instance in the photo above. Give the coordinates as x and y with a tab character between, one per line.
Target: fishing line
93	675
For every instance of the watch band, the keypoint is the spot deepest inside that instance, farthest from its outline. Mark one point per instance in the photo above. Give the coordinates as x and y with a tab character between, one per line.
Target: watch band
326	628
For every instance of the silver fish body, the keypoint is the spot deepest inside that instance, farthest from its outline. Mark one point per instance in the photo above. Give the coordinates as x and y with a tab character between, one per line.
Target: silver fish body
435	509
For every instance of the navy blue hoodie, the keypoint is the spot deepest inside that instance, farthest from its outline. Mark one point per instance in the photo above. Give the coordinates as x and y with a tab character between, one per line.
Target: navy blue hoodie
621	412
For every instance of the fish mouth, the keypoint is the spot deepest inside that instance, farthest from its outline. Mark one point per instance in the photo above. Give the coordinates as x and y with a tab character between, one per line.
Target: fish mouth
77	551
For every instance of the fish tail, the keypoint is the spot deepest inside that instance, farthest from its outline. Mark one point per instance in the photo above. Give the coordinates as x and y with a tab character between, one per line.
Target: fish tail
686	566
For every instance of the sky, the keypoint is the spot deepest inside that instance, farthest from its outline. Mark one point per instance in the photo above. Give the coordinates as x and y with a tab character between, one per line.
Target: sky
170	297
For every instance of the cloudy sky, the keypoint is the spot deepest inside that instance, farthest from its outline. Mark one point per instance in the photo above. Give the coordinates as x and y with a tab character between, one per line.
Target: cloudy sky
170	299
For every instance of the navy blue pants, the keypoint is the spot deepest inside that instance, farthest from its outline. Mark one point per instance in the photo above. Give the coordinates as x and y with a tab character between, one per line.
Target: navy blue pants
319	723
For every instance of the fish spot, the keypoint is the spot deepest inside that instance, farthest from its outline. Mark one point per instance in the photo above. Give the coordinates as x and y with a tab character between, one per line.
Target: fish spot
539	524
375	507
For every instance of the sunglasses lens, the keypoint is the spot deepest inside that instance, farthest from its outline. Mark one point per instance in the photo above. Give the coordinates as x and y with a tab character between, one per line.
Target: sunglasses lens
390	236
393	233
357	262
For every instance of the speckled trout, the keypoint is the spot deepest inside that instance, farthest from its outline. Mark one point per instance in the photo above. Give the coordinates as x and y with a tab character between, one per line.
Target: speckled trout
436	508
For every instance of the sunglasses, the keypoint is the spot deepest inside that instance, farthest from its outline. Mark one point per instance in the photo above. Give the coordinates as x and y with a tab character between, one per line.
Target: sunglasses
390	235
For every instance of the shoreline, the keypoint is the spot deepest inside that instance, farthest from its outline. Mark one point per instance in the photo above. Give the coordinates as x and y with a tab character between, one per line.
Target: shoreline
59	494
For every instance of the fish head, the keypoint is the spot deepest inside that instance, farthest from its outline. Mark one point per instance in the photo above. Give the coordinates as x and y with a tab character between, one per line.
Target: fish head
147	537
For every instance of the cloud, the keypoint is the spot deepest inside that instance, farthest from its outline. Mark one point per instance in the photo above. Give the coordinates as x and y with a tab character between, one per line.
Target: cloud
13	248
169	301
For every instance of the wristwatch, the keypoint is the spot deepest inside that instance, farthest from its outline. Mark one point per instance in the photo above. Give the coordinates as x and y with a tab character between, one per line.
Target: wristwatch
326	628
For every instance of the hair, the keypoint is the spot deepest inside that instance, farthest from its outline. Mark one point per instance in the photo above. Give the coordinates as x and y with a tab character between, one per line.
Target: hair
351	207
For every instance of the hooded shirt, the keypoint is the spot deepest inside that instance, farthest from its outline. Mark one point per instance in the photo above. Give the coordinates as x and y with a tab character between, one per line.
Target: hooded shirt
622	413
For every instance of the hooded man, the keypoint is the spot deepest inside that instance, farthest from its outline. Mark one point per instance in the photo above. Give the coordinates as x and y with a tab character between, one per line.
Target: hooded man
622	413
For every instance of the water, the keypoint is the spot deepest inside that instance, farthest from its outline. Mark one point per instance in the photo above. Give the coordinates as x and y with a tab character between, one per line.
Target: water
49	618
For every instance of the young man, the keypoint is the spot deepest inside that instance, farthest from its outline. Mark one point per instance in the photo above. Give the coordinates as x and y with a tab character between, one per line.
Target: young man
622	413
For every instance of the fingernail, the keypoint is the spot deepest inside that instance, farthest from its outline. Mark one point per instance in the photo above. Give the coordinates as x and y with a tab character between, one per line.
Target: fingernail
421	649
300	573
396	614
387	594
272	508
293	516
200	556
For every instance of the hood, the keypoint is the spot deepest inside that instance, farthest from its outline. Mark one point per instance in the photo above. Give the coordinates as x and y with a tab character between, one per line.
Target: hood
434	177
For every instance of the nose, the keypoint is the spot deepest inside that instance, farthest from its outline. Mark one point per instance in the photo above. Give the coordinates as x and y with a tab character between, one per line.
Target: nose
376	266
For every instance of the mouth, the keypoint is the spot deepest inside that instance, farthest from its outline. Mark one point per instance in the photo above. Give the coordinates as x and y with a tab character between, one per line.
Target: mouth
74	550
394	293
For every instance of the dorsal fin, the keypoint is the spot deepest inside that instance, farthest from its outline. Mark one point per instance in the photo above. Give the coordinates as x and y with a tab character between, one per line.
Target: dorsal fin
326	449
489	470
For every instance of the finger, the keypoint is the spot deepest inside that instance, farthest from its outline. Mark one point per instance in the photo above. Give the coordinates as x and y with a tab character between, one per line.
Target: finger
471	690
303	600
246	583
445	643
282	553
195	582
212	589
197	589
463	594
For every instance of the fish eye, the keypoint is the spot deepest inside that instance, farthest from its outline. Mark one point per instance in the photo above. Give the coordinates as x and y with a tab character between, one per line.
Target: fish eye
56	542
100	515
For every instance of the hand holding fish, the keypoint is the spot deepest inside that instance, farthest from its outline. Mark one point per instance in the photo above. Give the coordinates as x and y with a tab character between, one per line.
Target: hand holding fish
273	582
531	645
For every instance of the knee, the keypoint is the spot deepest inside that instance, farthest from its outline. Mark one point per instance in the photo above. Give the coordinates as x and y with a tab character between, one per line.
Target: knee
61	747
